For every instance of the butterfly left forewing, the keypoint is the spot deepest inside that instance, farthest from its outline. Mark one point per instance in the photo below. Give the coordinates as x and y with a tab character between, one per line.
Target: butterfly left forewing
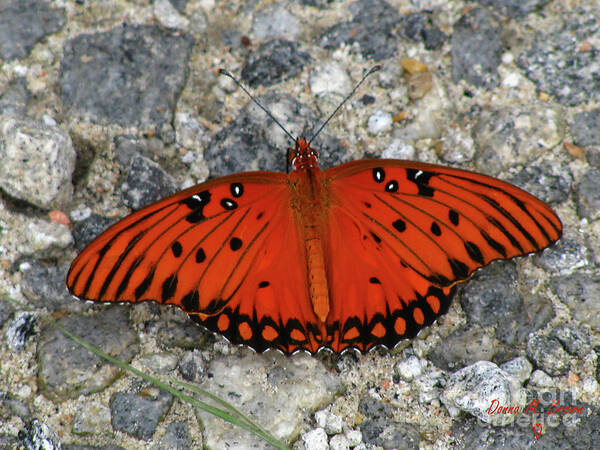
166	251
414	231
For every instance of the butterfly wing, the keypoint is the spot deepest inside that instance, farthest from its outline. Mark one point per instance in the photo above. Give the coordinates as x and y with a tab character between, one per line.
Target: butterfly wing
227	252
410	233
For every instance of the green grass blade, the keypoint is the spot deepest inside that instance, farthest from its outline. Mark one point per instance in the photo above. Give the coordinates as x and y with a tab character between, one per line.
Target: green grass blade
231	415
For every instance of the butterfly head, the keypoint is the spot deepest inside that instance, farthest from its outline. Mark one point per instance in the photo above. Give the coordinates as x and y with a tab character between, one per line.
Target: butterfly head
303	156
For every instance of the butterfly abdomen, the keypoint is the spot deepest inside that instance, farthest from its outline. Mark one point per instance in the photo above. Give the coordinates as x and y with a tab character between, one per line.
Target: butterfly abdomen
309	204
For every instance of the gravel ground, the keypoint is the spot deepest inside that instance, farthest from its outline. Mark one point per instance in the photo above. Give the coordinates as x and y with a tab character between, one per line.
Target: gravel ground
107	106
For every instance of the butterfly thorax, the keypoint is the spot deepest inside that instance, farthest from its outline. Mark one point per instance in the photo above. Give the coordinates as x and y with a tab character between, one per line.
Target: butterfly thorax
309	201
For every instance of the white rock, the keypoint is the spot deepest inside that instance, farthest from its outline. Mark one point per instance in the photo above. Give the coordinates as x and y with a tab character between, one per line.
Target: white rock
380	122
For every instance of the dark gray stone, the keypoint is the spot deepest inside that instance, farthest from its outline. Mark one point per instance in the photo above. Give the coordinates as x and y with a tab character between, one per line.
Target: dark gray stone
177	437
15	97
85	231
179	5
130	75
25	22
515	8
548	354
586	128
146	183
372	27
492	297
138	415
390	435
419	27
539	181
248	143
581	293
372	408
44	284
274	61
6	311
588	198
556	64
67	370
463	347
575	340
10	407
477	48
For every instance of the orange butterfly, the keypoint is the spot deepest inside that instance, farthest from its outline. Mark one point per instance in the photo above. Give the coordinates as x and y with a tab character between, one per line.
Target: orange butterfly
363	254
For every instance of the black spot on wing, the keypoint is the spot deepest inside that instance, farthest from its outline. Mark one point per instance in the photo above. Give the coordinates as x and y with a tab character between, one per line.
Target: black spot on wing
200	255
144	285
391	186
375	237
236	189
474	252
421	179
190	301
263	284
435	229
378	174
125	281
493	243
399	225
453	216
374	280
176	249
235	244
459	269
228	204
169	287
196	203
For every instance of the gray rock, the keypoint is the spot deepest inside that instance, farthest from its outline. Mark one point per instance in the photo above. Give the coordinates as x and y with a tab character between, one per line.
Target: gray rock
177	437
38	161
556	64
575	340
548	354
15	97
66	370
85	231
36	435
130	75
390	435
138	415
581	293
515	8
146	182
271	389
473	388
275	21
476	48
253	142
25	22
44	285
420	27
588	198
372	28
586	128
463	347
274	61
18	331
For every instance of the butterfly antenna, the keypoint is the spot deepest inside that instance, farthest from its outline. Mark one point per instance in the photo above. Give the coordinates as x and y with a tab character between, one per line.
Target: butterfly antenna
371	71
267	112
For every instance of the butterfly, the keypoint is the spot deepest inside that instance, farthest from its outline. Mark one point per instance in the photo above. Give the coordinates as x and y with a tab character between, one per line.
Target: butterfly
363	254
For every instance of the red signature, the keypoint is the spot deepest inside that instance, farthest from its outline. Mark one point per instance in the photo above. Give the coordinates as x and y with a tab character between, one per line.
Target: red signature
554	408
